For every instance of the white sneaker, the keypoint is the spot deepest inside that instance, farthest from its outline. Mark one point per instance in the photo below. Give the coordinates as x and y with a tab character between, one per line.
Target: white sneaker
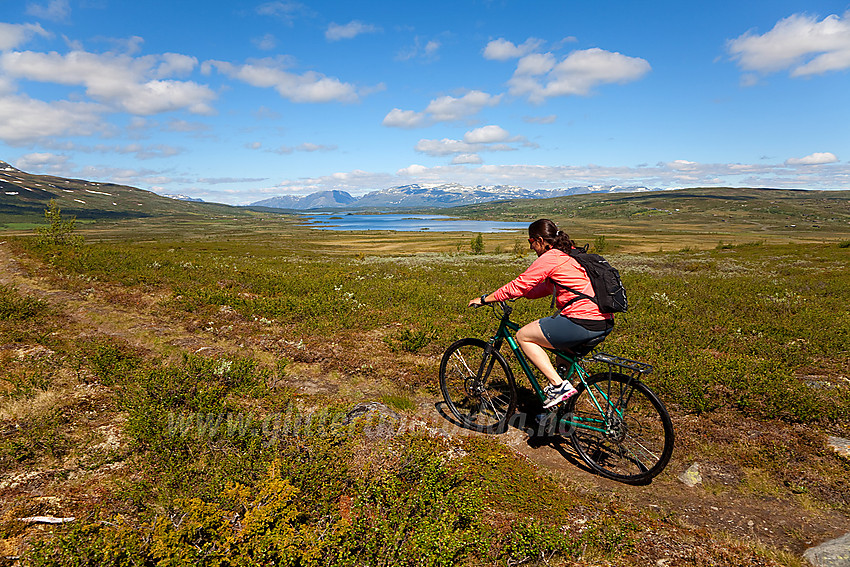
558	394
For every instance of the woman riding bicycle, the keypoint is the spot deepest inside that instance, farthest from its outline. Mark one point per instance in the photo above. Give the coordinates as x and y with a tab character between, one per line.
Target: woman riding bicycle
578	319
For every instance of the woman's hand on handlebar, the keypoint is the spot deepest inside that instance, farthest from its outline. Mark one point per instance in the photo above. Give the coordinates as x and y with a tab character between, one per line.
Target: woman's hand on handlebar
478	301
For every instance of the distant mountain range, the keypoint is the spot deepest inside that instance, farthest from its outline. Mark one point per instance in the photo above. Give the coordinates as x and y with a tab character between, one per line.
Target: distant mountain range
26	193
416	196
319	200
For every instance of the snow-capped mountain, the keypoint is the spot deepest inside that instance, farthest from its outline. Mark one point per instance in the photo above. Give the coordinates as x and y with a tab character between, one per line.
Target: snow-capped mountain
320	200
429	195
184	198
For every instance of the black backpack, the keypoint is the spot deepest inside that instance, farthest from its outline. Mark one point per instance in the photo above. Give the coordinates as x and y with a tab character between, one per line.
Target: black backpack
605	279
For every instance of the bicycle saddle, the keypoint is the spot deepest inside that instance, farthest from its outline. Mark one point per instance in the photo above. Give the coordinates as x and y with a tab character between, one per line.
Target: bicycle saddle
581	349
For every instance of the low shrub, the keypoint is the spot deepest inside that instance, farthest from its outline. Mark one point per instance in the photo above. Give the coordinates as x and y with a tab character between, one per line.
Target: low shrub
16	307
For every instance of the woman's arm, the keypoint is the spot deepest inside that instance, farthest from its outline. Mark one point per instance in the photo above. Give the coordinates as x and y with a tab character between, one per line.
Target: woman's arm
532	283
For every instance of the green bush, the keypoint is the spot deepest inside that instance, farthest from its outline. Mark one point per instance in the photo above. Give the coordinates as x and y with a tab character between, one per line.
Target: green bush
16	307
59	231
477	244
111	361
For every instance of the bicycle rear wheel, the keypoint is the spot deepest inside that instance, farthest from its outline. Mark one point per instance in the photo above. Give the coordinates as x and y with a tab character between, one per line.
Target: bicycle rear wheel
478	388
620	428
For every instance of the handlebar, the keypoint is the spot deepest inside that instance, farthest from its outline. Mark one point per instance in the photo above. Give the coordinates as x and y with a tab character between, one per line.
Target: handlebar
506	309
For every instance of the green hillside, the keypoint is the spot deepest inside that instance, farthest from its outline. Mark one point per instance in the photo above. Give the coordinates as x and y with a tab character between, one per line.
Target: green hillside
765	205
696	217
23	197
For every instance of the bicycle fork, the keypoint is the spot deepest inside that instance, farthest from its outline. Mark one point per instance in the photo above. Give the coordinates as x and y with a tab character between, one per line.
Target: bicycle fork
477	387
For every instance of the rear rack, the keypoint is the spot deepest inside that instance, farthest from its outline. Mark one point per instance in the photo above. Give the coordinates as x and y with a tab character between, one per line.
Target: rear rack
633	366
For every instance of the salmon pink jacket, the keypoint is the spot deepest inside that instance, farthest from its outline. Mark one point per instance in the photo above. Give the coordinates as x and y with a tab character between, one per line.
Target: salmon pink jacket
558	266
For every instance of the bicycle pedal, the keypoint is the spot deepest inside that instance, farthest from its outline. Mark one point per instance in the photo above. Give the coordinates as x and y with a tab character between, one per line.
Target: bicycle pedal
544	417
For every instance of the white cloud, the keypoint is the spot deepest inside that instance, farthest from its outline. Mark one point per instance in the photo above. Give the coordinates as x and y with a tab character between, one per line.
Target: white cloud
486	135
443	109
55	10
269	73
336	32
800	43
14	35
412	170
398	118
127	176
444	147
6	86
535	64
502	49
487	138
539	77
131	84
449	109
468	159
175	64
817	158
154	97
42	162
24	120
682	164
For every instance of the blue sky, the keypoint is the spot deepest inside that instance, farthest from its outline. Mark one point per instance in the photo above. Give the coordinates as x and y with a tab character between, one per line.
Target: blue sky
242	100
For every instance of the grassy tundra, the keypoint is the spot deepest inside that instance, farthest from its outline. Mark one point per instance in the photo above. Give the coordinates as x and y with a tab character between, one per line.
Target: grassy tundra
184	397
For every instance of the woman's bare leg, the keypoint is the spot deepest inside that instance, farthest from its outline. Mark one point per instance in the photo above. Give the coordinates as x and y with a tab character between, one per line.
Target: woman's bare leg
533	343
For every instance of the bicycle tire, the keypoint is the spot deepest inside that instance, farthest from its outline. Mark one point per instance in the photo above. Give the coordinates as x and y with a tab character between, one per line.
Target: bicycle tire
638	439
483	405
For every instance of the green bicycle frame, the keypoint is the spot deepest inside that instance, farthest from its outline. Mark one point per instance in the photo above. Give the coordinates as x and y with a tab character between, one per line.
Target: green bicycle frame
503	334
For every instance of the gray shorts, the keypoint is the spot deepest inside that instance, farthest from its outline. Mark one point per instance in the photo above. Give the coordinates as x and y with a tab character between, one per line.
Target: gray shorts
564	334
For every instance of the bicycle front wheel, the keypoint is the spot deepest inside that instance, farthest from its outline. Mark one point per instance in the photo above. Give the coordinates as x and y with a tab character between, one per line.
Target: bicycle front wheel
478	387
620	428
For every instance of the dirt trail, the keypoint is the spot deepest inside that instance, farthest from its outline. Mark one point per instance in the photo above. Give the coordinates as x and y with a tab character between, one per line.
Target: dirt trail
92	311
719	505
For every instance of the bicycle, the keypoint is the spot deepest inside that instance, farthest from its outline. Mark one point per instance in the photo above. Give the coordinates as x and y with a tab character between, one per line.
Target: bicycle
616	424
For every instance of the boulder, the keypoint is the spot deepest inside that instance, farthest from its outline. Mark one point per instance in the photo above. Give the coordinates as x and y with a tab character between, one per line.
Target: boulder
833	553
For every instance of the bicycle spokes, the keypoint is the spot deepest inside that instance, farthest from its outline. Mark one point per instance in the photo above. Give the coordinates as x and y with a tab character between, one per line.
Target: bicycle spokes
477	385
621	429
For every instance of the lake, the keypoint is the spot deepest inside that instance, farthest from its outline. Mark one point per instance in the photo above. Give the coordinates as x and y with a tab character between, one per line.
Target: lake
406	223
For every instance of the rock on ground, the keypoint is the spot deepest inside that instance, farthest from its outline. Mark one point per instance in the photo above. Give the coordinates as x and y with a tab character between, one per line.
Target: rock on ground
833	553
840	445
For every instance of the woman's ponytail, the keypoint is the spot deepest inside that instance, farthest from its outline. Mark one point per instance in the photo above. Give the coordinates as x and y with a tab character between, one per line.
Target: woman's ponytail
548	231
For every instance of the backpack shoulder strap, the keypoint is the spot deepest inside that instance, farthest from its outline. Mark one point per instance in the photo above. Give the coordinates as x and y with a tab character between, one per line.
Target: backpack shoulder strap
578	295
